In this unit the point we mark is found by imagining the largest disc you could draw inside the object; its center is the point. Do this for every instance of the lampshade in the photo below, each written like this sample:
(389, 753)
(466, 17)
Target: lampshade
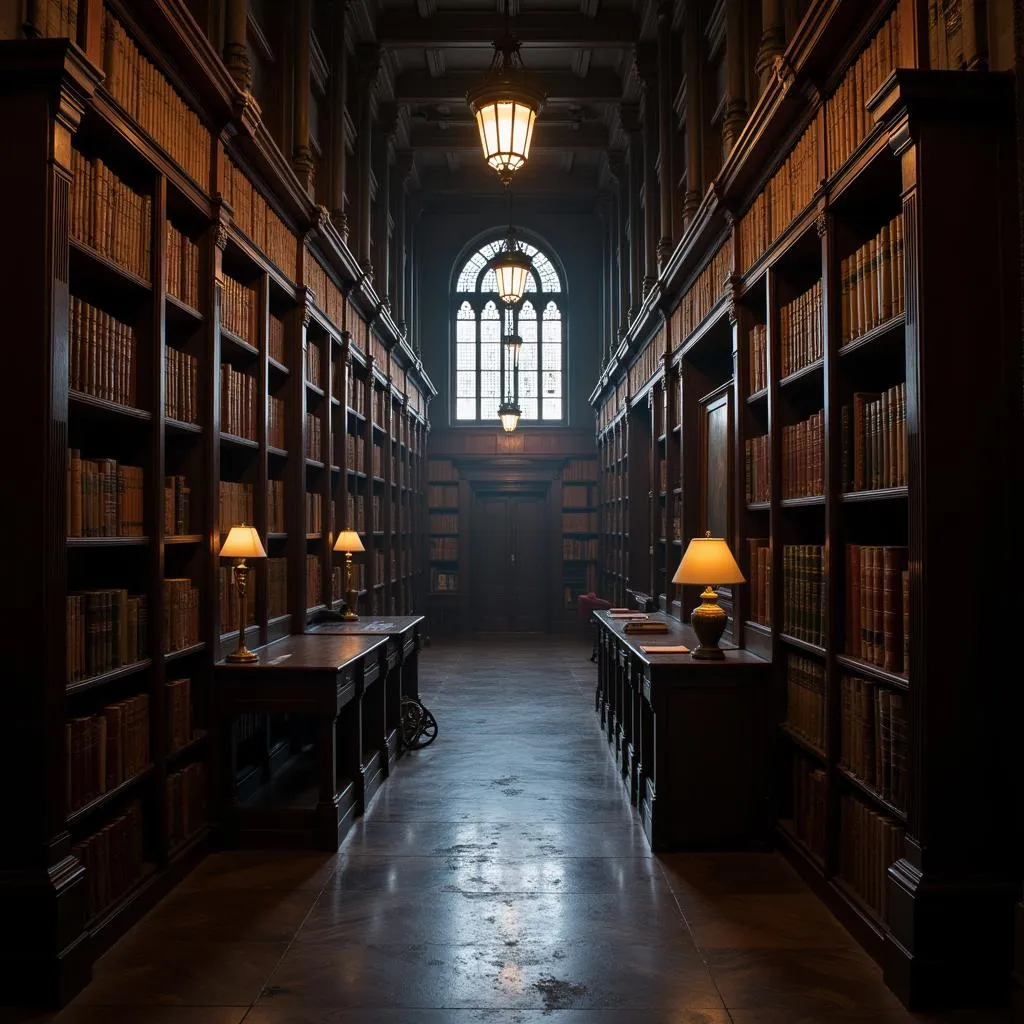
(511, 267)
(242, 542)
(509, 413)
(708, 560)
(348, 540)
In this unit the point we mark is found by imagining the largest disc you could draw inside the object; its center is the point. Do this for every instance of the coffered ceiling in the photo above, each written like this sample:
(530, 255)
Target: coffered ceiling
(580, 51)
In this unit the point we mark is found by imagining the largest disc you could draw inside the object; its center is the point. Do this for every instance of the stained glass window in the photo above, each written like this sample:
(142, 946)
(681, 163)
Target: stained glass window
(483, 376)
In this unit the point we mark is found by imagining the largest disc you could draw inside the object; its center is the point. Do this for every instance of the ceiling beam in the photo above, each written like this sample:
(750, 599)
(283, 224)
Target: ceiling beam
(558, 86)
(614, 28)
(466, 137)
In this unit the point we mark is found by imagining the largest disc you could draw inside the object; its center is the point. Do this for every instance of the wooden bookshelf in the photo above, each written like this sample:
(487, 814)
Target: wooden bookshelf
(445, 536)
(177, 320)
(852, 370)
(580, 533)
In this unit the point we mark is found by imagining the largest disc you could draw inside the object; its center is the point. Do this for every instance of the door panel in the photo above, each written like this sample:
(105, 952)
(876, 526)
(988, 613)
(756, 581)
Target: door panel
(510, 564)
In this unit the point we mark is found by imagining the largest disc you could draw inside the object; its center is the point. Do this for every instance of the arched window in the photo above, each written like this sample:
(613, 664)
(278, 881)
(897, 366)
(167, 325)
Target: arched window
(480, 323)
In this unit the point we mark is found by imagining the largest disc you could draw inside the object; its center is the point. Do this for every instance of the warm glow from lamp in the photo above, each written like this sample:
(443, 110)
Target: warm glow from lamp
(509, 413)
(505, 115)
(511, 269)
(348, 543)
(242, 542)
(708, 561)
(348, 540)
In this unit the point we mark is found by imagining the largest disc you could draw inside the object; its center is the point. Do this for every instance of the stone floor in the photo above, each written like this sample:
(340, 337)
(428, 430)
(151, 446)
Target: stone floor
(500, 876)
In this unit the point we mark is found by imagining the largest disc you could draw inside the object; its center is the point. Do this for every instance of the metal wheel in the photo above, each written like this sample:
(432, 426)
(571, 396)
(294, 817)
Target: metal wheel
(413, 713)
(428, 731)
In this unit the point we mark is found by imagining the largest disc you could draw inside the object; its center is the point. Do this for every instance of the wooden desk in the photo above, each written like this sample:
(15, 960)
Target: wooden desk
(690, 737)
(317, 792)
(399, 664)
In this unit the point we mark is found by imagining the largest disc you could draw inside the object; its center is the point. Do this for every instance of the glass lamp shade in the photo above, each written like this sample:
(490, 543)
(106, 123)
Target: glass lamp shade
(348, 540)
(505, 110)
(708, 561)
(242, 542)
(509, 413)
(511, 269)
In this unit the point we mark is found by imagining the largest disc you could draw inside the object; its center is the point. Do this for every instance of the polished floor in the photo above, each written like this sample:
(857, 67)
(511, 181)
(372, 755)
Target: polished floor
(500, 876)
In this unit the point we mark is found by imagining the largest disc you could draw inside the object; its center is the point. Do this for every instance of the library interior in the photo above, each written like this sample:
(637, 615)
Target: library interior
(501, 518)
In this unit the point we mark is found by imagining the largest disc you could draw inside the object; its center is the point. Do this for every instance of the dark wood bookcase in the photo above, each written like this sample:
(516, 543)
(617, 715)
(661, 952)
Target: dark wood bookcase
(865, 340)
(197, 350)
(580, 533)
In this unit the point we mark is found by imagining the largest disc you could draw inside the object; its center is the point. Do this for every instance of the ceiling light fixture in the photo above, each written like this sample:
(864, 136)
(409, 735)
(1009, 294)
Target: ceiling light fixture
(505, 104)
(511, 264)
(509, 410)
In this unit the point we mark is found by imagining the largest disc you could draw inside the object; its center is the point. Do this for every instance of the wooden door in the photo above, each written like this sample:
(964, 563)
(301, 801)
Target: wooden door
(510, 562)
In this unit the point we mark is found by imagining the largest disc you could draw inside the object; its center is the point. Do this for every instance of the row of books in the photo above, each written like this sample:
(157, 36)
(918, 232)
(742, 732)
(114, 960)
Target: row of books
(337, 583)
(179, 714)
(584, 470)
(184, 803)
(782, 199)
(758, 469)
(378, 461)
(355, 449)
(874, 737)
(106, 749)
(275, 339)
(356, 513)
(443, 549)
(356, 394)
(314, 437)
(760, 572)
(869, 842)
(847, 121)
(705, 291)
(805, 698)
(801, 331)
(276, 516)
(112, 858)
(810, 805)
(443, 582)
(577, 549)
(871, 281)
(149, 99)
(181, 389)
(238, 405)
(803, 457)
(227, 597)
(803, 593)
(758, 356)
(277, 587)
(236, 504)
(56, 19)
(182, 267)
(314, 513)
(579, 522)
(443, 522)
(874, 440)
(443, 496)
(577, 495)
(106, 629)
(103, 359)
(276, 423)
(181, 614)
(177, 506)
(877, 605)
(111, 217)
(105, 499)
(314, 581)
(253, 216)
(314, 364)
(238, 310)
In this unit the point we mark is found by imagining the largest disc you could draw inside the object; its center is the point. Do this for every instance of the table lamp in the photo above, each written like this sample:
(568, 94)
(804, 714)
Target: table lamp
(348, 542)
(708, 558)
(242, 542)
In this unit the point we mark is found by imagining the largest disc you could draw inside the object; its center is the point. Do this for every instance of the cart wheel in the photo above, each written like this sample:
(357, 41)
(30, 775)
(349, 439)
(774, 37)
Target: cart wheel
(412, 721)
(428, 731)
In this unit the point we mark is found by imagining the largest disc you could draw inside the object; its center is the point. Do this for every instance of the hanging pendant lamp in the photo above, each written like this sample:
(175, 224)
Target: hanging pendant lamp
(505, 104)
(511, 264)
(509, 410)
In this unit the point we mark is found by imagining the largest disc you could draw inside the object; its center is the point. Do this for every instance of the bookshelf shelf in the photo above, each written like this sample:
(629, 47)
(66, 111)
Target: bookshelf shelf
(758, 506)
(107, 542)
(185, 652)
(803, 645)
(801, 741)
(234, 441)
(181, 427)
(95, 273)
(279, 368)
(314, 390)
(810, 501)
(185, 538)
(873, 795)
(885, 335)
(100, 407)
(277, 453)
(198, 739)
(806, 376)
(83, 685)
(181, 314)
(81, 814)
(863, 668)
(880, 494)
(234, 345)
(758, 397)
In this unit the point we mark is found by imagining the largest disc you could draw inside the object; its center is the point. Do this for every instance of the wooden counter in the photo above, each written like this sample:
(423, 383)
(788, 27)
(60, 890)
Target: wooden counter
(689, 737)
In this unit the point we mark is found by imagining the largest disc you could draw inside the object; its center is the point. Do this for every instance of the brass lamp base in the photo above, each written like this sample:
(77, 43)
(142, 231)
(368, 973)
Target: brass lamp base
(243, 656)
(349, 615)
(708, 621)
